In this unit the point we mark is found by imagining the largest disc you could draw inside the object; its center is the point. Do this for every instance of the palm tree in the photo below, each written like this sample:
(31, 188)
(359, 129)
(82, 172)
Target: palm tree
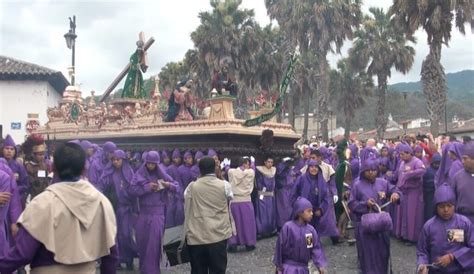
(226, 33)
(436, 18)
(380, 45)
(352, 89)
(319, 26)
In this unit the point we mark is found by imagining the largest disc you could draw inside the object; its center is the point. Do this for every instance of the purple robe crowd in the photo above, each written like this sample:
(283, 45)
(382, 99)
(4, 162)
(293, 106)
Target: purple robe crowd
(147, 192)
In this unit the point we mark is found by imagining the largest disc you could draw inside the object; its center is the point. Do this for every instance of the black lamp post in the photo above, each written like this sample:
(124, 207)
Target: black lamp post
(71, 44)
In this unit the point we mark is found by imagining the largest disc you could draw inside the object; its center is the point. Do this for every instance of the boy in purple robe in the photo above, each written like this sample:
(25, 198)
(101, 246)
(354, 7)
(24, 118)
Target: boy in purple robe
(298, 242)
(165, 158)
(116, 178)
(285, 181)
(442, 176)
(446, 243)
(429, 186)
(152, 185)
(265, 213)
(373, 249)
(312, 186)
(410, 182)
(195, 169)
(175, 208)
(463, 183)
(87, 224)
(184, 171)
(354, 161)
(242, 181)
(100, 162)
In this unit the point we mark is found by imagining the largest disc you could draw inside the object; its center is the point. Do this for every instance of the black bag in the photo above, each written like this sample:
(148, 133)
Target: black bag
(176, 253)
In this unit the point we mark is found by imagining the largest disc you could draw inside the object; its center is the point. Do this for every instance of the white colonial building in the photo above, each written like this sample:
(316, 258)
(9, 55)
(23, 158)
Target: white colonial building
(26, 92)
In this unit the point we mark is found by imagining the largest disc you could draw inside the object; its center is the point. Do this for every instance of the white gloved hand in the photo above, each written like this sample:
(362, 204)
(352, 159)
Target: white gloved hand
(226, 162)
(286, 159)
(336, 198)
(252, 159)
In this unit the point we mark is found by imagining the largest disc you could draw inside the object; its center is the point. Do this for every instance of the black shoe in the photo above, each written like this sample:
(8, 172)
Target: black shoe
(249, 247)
(335, 240)
(232, 249)
(130, 266)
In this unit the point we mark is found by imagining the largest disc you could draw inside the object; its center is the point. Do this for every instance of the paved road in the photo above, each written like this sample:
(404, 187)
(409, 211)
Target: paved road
(342, 259)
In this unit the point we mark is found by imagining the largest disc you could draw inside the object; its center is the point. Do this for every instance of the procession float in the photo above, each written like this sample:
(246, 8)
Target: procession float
(136, 122)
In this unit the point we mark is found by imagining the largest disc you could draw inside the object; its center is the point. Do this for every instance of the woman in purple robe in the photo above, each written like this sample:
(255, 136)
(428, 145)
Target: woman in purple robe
(446, 242)
(285, 180)
(116, 178)
(195, 168)
(463, 183)
(312, 186)
(354, 162)
(455, 153)
(152, 185)
(265, 213)
(175, 209)
(442, 176)
(242, 181)
(99, 163)
(429, 187)
(298, 242)
(373, 249)
(410, 182)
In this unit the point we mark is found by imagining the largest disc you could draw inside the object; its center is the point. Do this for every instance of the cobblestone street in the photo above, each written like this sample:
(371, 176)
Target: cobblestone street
(342, 259)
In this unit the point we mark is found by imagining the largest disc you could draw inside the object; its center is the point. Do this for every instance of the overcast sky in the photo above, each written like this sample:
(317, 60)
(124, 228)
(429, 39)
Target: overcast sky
(108, 29)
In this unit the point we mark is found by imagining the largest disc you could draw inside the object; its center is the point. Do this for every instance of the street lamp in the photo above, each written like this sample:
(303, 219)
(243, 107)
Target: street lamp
(71, 44)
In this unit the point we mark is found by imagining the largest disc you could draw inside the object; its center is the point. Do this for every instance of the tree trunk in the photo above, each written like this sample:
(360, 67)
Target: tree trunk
(323, 95)
(380, 119)
(306, 100)
(434, 85)
(347, 127)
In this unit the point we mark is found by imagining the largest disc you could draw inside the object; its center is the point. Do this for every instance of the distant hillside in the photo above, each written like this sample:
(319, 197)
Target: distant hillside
(460, 86)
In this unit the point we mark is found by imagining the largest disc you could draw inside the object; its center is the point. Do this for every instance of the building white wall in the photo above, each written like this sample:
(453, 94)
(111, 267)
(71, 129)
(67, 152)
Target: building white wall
(18, 98)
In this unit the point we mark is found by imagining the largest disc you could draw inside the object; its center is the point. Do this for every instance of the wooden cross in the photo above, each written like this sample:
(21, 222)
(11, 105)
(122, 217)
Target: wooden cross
(142, 46)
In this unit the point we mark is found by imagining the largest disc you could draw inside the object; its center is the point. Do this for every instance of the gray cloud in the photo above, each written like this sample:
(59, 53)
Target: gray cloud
(107, 31)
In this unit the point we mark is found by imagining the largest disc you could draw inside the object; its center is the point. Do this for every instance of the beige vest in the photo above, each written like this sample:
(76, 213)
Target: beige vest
(207, 217)
(242, 182)
(72, 220)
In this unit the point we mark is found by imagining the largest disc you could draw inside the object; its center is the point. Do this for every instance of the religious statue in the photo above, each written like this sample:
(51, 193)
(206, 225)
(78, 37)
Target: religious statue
(222, 82)
(134, 86)
(179, 104)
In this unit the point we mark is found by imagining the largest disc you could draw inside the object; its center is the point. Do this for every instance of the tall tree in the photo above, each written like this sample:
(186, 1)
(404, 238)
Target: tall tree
(226, 33)
(319, 27)
(352, 88)
(436, 18)
(380, 45)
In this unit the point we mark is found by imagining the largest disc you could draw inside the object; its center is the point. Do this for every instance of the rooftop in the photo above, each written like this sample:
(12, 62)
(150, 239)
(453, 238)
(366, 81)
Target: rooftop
(12, 69)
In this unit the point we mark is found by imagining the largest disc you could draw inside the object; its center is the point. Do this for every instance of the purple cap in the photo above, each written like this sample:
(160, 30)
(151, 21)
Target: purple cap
(144, 154)
(418, 148)
(120, 154)
(152, 157)
(176, 153)
(8, 142)
(405, 148)
(444, 194)
(109, 147)
(86, 145)
(187, 154)
(211, 153)
(436, 158)
(469, 149)
(369, 164)
(300, 205)
(165, 154)
(312, 163)
(198, 156)
(384, 161)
